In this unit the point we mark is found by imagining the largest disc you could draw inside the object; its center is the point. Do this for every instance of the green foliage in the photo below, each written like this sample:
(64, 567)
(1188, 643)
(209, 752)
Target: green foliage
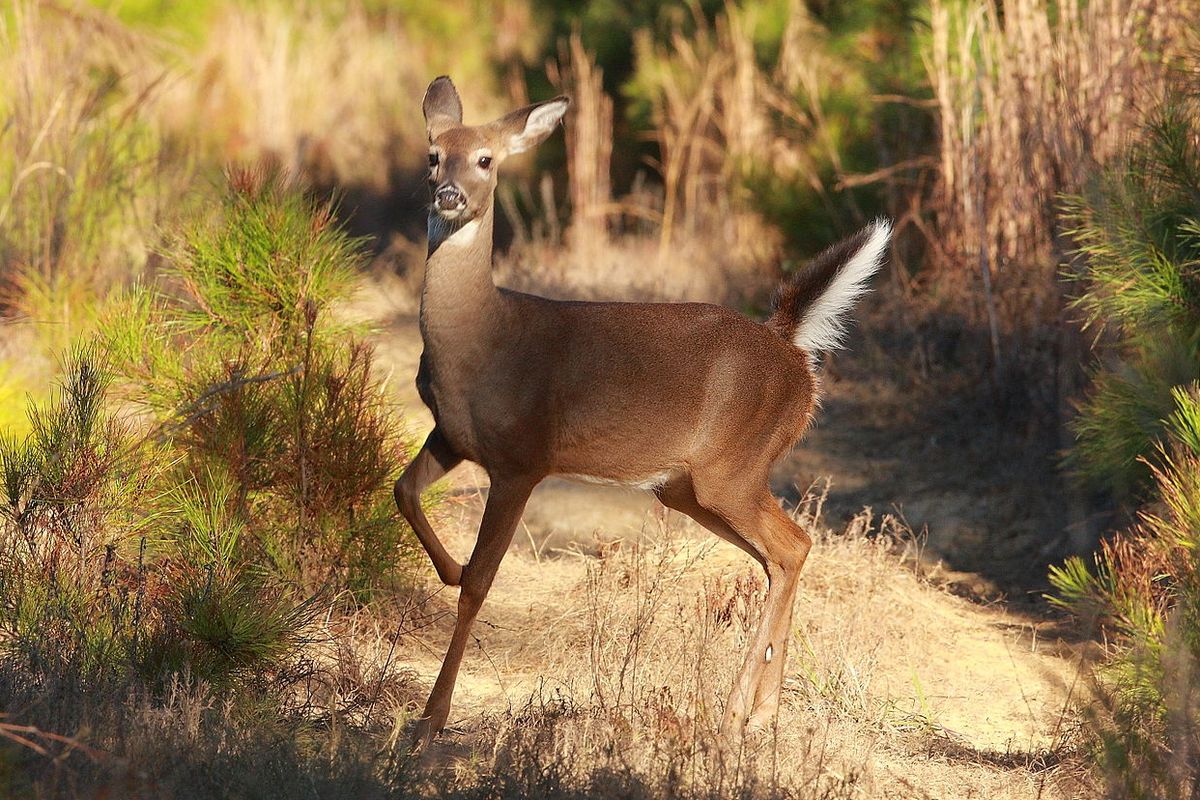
(1184, 421)
(95, 568)
(868, 51)
(258, 272)
(1122, 420)
(228, 626)
(1138, 231)
(822, 70)
(1139, 429)
(1145, 592)
(237, 354)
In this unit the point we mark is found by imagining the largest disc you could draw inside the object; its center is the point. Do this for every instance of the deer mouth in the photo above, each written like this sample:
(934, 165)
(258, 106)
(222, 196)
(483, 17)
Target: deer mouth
(450, 202)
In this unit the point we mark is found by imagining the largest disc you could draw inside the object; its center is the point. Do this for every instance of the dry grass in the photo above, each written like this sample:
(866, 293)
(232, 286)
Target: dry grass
(87, 177)
(1032, 97)
(88, 180)
(333, 93)
(602, 667)
(617, 660)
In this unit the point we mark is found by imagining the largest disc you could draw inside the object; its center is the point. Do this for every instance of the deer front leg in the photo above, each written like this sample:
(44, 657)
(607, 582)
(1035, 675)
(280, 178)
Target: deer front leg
(505, 503)
(429, 465)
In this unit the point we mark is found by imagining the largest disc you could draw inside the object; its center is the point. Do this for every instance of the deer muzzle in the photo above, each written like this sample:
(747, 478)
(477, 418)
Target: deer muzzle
(449, 198)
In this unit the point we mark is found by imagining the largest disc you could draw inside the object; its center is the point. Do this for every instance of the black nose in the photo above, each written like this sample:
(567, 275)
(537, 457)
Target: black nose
(449, 197)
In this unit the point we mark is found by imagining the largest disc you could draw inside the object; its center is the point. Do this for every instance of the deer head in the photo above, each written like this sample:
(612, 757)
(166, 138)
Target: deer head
(463, 159)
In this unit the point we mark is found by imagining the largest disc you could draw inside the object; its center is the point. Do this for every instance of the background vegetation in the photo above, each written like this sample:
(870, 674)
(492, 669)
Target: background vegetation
(195, 524)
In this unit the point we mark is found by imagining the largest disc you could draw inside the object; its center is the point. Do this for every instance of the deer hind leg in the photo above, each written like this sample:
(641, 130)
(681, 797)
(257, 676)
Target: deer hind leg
(680, 495)
(505, 503)
(429, 465)
(760, 522)
(761, 528)
(790, 537)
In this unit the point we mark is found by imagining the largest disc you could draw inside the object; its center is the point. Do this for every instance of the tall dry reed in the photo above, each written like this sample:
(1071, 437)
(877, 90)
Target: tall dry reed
(1032, 97)
(734, 126)
(710, 113)
(589, 145)
(85, 175)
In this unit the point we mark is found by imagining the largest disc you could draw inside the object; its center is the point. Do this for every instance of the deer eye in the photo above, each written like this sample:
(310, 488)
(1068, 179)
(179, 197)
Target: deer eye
(485, 162)
(433, 159)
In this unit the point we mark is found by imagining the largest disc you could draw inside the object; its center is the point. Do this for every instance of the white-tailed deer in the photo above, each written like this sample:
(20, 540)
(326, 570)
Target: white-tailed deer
(691, 401)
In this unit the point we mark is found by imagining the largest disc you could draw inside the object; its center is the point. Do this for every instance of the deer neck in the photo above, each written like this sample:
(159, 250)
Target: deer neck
(459, 295)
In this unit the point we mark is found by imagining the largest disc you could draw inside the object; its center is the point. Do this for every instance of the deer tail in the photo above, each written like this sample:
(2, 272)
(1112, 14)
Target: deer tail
(811, 304)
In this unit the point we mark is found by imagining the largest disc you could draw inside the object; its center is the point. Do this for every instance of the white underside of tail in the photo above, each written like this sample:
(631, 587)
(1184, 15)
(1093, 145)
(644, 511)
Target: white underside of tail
(823, 326)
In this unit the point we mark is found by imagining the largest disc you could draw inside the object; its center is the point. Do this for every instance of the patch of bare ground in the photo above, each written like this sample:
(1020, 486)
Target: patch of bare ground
(618, 653)
(979, 479)
(614, 630)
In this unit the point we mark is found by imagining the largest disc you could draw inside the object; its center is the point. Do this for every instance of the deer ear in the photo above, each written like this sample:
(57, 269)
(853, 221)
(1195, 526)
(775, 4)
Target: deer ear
(442, 107)
(528, 127)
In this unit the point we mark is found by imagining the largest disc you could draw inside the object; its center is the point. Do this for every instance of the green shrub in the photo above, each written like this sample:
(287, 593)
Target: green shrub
(1144, 591)
(238, 357)
(248, 480)
(1139, 431)
(1139, 235)
(64, 526)
(104, 559)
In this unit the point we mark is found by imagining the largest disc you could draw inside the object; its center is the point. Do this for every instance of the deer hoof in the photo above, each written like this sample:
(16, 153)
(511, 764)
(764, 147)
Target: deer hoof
(422, 736)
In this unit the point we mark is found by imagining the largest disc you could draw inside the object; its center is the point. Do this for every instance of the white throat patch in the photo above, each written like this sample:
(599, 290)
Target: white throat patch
(443, 232)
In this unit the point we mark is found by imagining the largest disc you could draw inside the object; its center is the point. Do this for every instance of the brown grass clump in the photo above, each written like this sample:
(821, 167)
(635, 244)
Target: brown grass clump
(1032, 97)
(333, 91)
(711, 111)
(719, 119)
(693, 237)
(85, 175)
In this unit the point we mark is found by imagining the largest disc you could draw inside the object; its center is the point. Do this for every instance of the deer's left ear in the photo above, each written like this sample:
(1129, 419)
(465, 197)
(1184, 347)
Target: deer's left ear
(443, 110)
(528, 127)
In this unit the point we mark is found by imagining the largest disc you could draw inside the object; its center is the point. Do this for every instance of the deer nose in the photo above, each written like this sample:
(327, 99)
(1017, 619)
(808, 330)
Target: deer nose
(449, 197)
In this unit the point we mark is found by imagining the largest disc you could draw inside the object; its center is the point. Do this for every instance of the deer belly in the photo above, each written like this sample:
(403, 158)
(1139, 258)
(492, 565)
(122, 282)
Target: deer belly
(648, 482)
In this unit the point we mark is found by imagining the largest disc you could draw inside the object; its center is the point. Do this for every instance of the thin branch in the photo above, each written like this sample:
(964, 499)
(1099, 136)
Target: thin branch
(202, 405)
(854, 181)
